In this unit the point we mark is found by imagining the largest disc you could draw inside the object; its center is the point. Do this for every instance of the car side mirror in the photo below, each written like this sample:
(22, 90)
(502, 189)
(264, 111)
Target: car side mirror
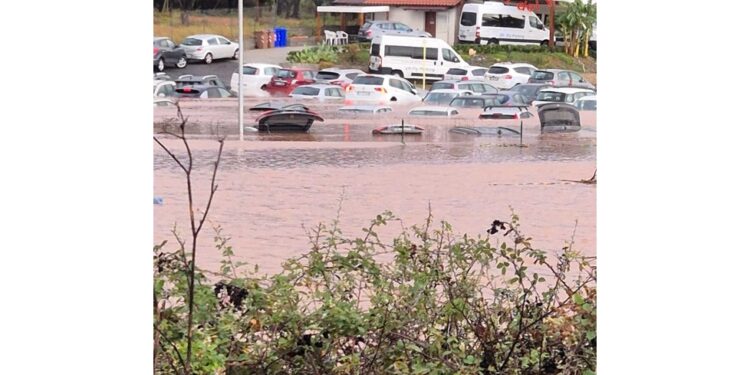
(455, 59)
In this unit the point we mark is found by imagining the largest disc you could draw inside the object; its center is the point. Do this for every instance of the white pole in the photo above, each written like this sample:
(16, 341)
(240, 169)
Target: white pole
(240, 5)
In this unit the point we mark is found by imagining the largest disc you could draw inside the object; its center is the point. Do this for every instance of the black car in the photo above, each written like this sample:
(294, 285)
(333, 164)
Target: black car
(167, 53)
(203, 92)
(191, 80)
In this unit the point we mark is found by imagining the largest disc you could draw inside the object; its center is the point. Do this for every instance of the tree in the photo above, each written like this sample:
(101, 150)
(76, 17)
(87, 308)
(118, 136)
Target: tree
(589, 21)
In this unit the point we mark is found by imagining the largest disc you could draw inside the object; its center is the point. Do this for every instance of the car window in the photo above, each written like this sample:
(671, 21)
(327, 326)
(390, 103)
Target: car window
(464, 86)
(523, 70)
(224, 41)
(385, 26)
(575, 77)
(213, 42)
(323, 75)
(489, 89)
(478, 87)
(479, 72)
(307, 75)
(570, 98)
(442, 85)
(503, 20)
(192, 42)
(366, 25)
(249, 70)
(162, 90)
(456, 71)
(286, 73)
(564, 76)
(306, 90)
(468, 19)
(334, 92)
(352, 75)
(397, 84)
(170, 44)
(448, 55)
(270, 71)
(550, 96)
(498, 70)
(368, 80)
(543, 76)
(401, 27)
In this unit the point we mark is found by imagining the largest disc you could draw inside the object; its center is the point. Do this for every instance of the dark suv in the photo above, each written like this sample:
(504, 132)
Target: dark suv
(168, 53)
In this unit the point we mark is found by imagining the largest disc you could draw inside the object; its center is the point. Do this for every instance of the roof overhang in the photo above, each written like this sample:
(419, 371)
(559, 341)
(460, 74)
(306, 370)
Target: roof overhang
(353, 9)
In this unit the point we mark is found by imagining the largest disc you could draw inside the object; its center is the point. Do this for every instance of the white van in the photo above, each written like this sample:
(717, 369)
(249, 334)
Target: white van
(496, 23)
(413, 57)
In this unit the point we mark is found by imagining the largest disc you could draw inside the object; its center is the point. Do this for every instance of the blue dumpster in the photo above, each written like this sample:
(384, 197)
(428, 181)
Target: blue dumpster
(280, 37)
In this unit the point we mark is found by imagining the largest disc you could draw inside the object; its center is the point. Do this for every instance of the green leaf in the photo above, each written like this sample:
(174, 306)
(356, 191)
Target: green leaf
(470, 360)
(590, 335)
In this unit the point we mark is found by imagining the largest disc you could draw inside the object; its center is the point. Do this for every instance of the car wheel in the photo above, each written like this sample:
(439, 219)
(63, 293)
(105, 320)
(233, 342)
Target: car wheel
(160, 65)
(494, 41)
(544, 43)
(398, 73)
(236, 54)
(181, 63)
(393, 99)
(209, 58)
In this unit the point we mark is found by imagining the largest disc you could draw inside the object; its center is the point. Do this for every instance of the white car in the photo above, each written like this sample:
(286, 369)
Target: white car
(254, 77)
(318, 91)
(443, 96)
(368, 109)
(467, 73)
(507, 75)
(586, 103)
(433, 111)
(381, 89)
(476, 87)
(208, 47)
(560, 95)
(337, 76)
(164, 88)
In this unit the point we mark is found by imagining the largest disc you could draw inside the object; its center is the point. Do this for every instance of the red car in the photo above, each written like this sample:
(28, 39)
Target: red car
(287, 80)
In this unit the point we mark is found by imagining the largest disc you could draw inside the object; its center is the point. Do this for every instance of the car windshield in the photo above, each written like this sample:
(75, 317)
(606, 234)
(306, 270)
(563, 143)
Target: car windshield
(543, 76)
(440, 98)
(368, 80)
(286, 73)
(442, 85)
(192, 42)
(456, 71)
(551, 96)
(306, 90)
(467, 102)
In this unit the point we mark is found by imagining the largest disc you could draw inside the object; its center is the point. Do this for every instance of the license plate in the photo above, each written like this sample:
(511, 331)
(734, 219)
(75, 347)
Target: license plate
(363, 93)
(278, 83)
(493, 78)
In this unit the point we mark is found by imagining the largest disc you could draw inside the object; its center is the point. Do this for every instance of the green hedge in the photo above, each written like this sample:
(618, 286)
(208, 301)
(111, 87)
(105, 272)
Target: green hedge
(490, 49)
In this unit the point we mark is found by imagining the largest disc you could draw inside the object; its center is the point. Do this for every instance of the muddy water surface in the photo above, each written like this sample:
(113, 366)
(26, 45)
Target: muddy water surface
(273, 187)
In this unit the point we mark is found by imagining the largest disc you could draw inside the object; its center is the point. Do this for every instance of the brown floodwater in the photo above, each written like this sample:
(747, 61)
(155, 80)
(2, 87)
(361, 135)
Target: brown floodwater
(275, 187)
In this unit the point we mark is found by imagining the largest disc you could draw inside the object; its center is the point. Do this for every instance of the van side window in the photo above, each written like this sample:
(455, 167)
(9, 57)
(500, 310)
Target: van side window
(413, 52)
(448, 55)
(375, 50)
(468, 19)
(503, 20)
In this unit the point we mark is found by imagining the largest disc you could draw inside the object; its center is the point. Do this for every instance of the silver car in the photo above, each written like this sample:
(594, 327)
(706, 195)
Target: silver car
(371, 29)
(208, 47)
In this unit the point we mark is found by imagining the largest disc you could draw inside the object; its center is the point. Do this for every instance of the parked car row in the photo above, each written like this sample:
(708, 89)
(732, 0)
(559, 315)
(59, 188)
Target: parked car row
(201, 47)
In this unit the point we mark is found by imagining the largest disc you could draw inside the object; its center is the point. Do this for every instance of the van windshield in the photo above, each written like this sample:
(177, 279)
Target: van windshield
(468, 19)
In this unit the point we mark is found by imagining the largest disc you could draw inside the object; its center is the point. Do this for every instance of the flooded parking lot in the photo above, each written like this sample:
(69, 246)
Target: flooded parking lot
(272, 187)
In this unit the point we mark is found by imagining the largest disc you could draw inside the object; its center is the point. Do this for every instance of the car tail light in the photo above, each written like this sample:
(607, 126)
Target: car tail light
(552, 83)
(516, 116)
(156, 50)
(199, 49)
(381, 89)
(508, 76)
(187, 89)
(368, 33)
(349, 88)
(464, 78)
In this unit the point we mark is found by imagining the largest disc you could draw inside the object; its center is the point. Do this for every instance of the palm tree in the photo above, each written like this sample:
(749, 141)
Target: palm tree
(590, 21)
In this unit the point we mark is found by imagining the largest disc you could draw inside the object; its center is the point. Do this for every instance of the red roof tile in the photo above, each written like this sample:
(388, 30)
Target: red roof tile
(423, 3)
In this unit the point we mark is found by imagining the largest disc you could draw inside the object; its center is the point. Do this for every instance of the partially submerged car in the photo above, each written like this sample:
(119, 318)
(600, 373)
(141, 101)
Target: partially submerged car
(366, 109)
(560, 78)
(337, 76)
(484, 101)
(164, 88)
(444, 96)
(271, 106)
(287, 120)
(559, 117)
(382, 89)
(465, 74)
(286, 80)
(203, 92)
(396, 129)
(320, 92)
(529, 90)
(191, 80)
(477, 87)
(560, 95)
(506, 113)
(586, 103)
(507, 75)
(433, 111)
(255, 77)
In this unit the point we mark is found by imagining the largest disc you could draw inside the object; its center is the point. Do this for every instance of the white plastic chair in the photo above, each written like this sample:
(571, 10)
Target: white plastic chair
(330, 37)
(342, 37)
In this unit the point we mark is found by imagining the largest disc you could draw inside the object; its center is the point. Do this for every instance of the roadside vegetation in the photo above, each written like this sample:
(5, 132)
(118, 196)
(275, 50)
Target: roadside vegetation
(541, 57)
(427, 301)
(576, 22)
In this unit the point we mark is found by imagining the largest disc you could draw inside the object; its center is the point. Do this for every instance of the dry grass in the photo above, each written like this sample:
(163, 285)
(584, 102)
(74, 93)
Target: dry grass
(171, 27)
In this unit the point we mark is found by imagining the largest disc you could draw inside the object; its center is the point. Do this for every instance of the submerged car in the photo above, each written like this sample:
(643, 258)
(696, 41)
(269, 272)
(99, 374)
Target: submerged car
(433, 111)
(560, 78)
(191, 80)
(203, 92)
(287, 120)
(286, 80)
(465, 74)
(444, 96)
(208, 47)
(507, 75)
(337, 76)
(255, 76)
(477, 87)
(529, 90)
(319, 92)
(559, 117)
(586, 103)
(382, 89)
(560, 95)
(368, 109)
(484, 101)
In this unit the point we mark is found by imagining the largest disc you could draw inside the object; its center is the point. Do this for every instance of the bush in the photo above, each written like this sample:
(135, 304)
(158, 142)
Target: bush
(491, 49)
(440, 304)
(314, 55)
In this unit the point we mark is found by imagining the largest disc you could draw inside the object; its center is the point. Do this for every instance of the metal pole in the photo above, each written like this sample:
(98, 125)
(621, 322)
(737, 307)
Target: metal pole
(424, 61)
(241, 91)
(402, 132)
(521, 132)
